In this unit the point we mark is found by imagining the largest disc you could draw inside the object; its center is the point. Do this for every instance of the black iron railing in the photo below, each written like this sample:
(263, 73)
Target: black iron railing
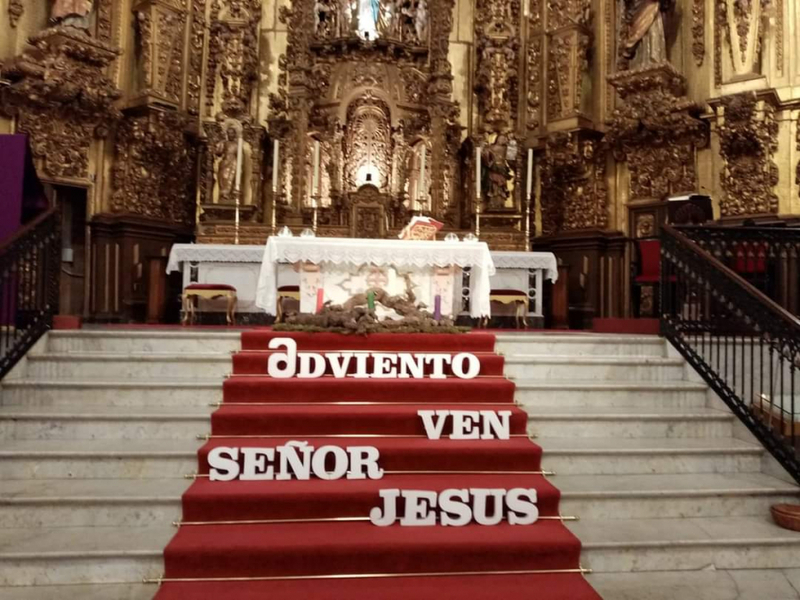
(745, 345)
(29, 286)
(766, 257)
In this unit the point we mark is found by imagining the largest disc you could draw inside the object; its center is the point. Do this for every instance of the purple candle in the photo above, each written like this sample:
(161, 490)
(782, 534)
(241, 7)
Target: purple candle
(437, 307)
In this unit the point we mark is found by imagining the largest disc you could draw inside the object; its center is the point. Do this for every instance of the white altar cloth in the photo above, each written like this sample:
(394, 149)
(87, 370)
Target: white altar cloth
(532, 261)
(397, 253)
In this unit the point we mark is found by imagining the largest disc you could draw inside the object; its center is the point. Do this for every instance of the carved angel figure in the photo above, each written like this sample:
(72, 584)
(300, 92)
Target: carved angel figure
(646, 43)
(73, 13)
(421, 21)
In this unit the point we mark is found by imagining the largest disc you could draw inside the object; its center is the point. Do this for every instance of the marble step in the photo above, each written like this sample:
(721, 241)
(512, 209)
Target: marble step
(601, 394)
(80, 422)
(175, 341)
(594, 368)
(614, 456)
(97, 459)
(622, 422)
(620, 545)
(90, 502)
(580, 344)
(672, 496)
(136, 366)
(80, 555)
(705, 584)
(90, 393)
(97, 591)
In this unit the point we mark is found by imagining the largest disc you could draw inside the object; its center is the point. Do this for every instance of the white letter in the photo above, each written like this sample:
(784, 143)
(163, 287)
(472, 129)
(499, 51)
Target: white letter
(438, 361)
(288, 359)
(474, 366)
(497, 421)
(384, 366)
(521, 512)
(364, 463)
(480, 504)
(339, 362)
(413, 364)
(418, 508)
(361, 366)
(453, 512)
(223, 464)
(291, 463)
(255, 465)
(306, 370)
(389, 509)
(464, 424)
(339, 462)
(433, 429)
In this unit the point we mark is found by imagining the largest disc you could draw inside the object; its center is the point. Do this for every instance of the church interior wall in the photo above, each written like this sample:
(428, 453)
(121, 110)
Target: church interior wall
(550, 78)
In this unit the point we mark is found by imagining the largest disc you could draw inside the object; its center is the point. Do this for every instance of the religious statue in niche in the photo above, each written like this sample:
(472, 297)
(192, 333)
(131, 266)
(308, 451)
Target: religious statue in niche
(497, 173)
(231, 152)
(645, 43)
(72, 13)
(325, 15)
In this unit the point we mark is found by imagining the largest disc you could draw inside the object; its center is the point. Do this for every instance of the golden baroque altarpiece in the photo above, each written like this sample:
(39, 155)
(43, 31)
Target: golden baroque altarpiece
(350, 116)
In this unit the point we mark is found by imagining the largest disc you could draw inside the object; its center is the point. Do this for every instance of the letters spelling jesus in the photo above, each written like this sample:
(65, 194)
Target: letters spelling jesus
(299, 460)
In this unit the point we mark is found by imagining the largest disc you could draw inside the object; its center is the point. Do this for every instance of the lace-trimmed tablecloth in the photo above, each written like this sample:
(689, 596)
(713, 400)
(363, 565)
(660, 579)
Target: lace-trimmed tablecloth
(213, 253)
(398, 253)
(546, 261)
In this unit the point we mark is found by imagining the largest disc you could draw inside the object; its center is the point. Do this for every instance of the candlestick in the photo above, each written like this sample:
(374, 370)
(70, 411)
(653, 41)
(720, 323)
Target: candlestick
(424, 194)
(529, 183)
(237, 192)
(315, 178)
(478, 172)
(275, 166)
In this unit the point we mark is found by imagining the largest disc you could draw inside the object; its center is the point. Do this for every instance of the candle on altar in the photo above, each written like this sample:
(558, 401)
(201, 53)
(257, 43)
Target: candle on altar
(424, 193)
(315, 178)
(275, 150)
(478, 172)
(371, 300)
(239, 165)
(529, 183)
(320, 299)
(437, 307)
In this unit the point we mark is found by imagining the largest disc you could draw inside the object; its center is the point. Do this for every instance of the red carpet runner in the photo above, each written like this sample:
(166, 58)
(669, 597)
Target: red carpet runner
(258, 540)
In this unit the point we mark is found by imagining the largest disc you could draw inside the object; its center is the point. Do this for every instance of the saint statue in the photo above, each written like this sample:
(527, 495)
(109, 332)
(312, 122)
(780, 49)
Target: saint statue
(496, 172)
(72, 13)
(228, 167)
(646, 43)
(325, 19)
(421, 22)
(387, 19)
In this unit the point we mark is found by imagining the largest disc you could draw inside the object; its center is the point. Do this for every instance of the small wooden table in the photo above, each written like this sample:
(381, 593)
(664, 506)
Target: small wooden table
(208, 291)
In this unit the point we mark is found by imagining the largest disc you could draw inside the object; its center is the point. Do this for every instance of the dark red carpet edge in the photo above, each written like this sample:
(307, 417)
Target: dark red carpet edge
(305, 409)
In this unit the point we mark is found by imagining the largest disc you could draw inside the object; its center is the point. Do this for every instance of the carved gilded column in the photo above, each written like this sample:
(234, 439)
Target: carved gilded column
(160, 26)
(443, 113)
(748, 140)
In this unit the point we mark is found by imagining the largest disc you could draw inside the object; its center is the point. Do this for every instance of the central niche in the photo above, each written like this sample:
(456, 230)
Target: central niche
(367, 144)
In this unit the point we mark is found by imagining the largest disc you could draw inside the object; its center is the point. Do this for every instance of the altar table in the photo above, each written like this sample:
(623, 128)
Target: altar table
(239, 266)
(350, 253)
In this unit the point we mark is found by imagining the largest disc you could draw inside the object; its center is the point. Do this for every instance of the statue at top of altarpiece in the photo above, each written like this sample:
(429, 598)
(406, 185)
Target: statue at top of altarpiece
(646, 42)
(72, 13)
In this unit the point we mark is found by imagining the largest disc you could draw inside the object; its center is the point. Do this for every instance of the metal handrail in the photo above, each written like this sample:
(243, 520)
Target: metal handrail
(30, 264)
(745, 345)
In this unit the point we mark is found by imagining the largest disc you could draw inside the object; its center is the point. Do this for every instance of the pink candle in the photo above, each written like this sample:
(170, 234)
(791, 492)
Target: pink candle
(320, 299)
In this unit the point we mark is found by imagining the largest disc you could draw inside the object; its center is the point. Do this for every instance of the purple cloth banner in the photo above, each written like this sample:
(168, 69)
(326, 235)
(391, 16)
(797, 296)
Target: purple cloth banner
(21, 194)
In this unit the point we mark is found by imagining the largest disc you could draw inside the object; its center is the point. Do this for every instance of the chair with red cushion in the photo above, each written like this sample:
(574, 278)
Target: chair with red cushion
(648, 271)
(209, 291)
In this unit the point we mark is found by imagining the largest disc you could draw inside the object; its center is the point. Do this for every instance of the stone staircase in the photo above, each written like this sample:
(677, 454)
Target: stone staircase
(99, 427)
(672, 493)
